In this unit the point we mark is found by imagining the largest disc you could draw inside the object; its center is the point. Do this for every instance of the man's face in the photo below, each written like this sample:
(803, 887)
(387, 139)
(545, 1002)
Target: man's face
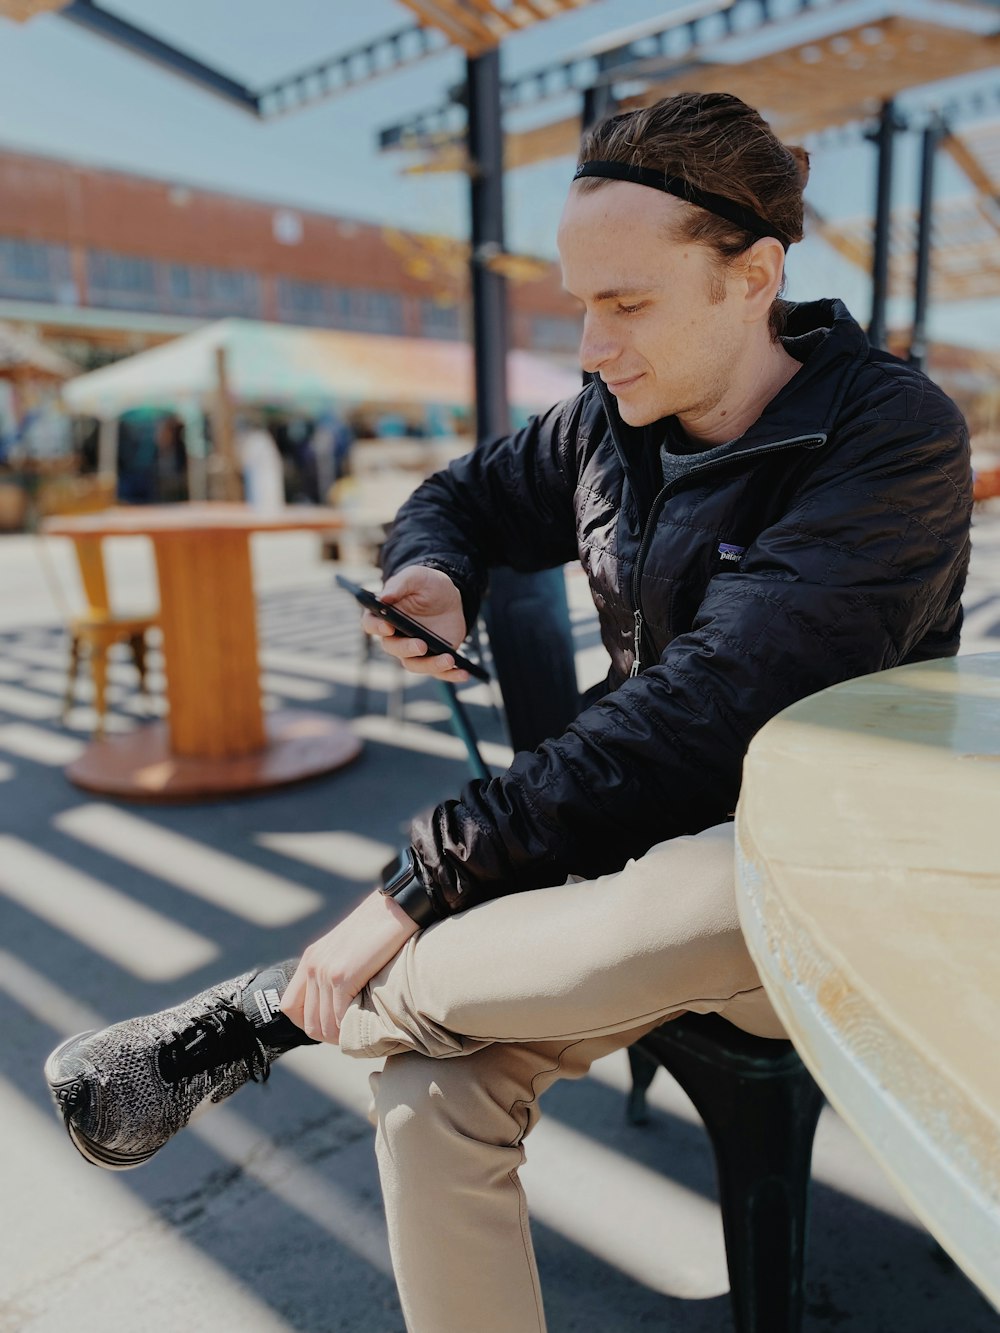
(663, 325)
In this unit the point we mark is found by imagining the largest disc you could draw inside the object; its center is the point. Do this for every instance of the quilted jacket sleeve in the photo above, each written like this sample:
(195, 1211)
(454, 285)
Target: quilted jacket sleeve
(867, 562)
(510, 502)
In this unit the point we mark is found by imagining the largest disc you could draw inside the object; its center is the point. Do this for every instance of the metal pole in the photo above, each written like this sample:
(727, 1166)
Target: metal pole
(527, 615)
(883, 139)
(598, 103)
(932, 135)
(462, 728)
(489, 288)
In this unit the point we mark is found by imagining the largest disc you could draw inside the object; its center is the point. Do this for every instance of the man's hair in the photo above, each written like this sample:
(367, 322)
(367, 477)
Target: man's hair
(719, 144)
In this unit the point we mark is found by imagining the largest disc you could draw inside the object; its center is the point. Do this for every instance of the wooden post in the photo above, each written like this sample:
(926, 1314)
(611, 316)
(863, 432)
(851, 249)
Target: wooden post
(107, 448)
(197, 449)
(224, 470)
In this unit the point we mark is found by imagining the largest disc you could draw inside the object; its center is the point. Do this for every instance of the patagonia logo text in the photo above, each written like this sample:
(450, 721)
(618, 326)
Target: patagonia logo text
(734, 554)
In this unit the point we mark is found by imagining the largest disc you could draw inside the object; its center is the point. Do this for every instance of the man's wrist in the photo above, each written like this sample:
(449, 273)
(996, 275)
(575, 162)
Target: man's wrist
(401, 881)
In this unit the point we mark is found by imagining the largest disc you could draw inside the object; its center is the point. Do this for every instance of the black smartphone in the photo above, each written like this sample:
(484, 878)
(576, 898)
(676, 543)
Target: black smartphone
(412, 629)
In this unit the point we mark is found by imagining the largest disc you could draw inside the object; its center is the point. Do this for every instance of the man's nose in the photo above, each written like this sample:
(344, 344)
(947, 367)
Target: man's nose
(597, 348)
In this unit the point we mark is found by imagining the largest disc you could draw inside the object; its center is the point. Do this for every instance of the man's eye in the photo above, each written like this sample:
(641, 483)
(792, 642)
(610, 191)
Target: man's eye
(631, 309)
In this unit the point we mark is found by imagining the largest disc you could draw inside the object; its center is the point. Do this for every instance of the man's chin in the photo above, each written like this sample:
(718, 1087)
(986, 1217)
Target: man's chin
(637, 414)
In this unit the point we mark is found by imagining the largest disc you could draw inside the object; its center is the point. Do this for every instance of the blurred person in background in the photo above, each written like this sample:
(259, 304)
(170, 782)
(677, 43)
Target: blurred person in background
(331, 443)
(261, 464)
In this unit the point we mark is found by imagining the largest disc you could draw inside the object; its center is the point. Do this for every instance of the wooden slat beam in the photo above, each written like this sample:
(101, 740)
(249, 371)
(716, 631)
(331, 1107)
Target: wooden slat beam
(960, 153)
(22, 10)
(988, 202)
(460, 25)
(810, 87)
(841, 78)
(966, 255)
(478, 25)
(850, 246)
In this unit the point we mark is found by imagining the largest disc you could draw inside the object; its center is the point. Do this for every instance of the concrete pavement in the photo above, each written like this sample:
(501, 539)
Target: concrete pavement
(265, 1215)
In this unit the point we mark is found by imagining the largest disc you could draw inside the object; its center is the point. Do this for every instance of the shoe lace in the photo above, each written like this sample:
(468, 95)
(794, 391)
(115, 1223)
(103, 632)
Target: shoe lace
(221, 1036)
(69, 1099)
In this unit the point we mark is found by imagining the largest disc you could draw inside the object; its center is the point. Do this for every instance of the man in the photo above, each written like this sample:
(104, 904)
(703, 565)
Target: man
(764, 506)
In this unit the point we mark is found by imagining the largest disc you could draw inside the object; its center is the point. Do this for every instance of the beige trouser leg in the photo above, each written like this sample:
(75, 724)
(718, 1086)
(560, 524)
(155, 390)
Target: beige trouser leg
(527, 989)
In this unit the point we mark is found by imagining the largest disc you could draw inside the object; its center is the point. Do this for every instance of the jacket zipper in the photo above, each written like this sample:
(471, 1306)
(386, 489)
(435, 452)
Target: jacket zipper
(797, 441)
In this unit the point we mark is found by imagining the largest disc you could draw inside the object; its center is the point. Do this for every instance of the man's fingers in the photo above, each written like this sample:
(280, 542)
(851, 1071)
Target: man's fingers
(412, 653)
(329, 1027)
(404, 649)
(341, 1000)
(376, 626)
(310, 1013)
(292, 1000)
(441, 668)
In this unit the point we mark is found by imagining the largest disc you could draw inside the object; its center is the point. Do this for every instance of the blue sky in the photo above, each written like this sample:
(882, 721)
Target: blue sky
(69, 94)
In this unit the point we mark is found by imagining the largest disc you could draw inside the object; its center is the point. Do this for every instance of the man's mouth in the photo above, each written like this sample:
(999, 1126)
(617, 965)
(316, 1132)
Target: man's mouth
(617, 386)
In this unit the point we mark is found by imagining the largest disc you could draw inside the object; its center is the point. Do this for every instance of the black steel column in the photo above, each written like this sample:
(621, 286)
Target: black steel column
(932, 136)
(526, 614)
(598, 103)
(883, 138)
(489, 288)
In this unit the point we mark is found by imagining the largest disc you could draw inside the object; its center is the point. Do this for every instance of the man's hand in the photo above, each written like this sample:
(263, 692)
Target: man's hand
(429, 596)
(334, 969)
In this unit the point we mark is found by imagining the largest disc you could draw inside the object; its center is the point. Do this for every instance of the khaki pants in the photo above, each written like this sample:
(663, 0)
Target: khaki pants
(526, 990)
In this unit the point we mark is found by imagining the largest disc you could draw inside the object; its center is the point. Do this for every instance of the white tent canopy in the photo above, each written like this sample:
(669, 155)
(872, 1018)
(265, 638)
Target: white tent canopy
(277, 363)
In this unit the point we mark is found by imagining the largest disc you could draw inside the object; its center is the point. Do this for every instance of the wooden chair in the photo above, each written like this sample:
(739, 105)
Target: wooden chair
(95, 629)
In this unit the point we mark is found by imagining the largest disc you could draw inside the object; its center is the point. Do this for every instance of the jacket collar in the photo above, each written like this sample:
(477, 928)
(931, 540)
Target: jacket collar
(832, 346)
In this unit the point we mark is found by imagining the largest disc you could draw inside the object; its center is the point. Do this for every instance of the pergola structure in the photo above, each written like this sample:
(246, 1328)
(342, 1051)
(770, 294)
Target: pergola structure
(966, 230)
(825, 67)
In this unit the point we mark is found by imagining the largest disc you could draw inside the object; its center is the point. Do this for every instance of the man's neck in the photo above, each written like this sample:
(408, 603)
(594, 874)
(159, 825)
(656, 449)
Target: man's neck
(752, 386)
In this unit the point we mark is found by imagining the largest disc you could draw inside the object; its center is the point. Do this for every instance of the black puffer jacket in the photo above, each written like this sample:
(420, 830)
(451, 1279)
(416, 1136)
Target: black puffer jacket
(848, 505)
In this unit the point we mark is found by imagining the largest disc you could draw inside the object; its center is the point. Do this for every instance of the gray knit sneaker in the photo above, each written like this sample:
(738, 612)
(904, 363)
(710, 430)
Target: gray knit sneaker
(124, 1091)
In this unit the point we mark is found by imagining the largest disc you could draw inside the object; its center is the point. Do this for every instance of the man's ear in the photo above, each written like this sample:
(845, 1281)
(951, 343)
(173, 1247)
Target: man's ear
(763, 269)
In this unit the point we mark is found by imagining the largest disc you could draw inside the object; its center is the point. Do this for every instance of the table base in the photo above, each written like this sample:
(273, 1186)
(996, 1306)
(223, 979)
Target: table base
(140, 766)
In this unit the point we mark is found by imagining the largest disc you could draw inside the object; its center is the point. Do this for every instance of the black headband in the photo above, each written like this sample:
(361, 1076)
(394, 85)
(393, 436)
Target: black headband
(718, 204)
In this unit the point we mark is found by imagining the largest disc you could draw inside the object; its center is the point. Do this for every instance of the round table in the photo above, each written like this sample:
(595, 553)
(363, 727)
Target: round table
(216, 740)
(868, 861)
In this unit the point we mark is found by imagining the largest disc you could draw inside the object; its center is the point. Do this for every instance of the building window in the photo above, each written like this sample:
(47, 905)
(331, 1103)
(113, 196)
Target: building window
(305, 302)
(180, 289)
(232, 291)
(208, 293)
(123, 282)
(441, 321)
(377, 312)
(356, 308)
(340, 307)
(33, 271)
(551, 333)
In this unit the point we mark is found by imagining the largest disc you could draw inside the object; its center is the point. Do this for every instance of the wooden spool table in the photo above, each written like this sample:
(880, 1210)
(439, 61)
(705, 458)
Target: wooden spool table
(217, 740)
(868, 858)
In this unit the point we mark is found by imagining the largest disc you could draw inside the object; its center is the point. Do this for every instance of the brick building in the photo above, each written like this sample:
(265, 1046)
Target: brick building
(104, 263)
